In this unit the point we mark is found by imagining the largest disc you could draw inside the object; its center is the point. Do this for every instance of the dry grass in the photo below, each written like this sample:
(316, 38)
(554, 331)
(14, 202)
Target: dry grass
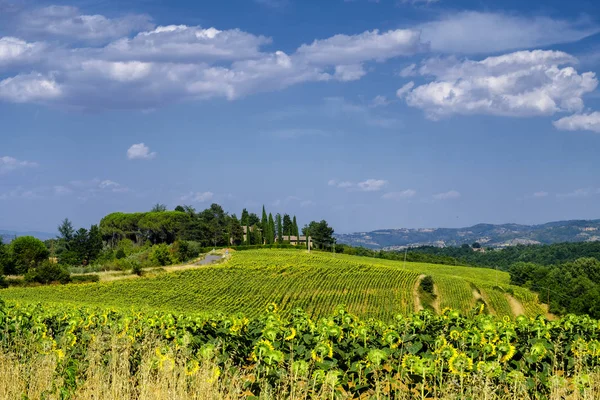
(107, 373)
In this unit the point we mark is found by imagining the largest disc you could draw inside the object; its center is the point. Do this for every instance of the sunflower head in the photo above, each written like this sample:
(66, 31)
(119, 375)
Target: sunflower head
(261, 349)
(322, 350)
(377, 356)
(300, 368)
(460, 364)
(506, 351)
(490, 369)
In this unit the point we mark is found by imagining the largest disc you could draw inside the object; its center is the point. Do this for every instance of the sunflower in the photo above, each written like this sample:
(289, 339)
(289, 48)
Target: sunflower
(491, 369)
(447, 351)
(272, 308)
(538, 351)
(392, 338)
(290, 334)
(488, 349)
(261, 349)
(579, 347)
(454, 334)
(412, 362)
(321, 351)
(192, 368)
(460, 363)
(377, 356)
(300, 368)
(594, 348)
(506, 350)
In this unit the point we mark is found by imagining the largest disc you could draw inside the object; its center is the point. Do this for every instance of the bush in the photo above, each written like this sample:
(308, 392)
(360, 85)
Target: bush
(136, 268)
(120, 254)
(161, 255)
(48, 272)
(85, 278)
(427, 284)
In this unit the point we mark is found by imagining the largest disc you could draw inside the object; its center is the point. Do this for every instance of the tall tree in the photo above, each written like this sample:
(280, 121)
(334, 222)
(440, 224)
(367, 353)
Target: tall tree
(80, 246)
(27, 252)
(158, 207)
(245, 216)
(279, 228)
(271, 229)
(287, 225)
(296, 232)
(180, 209)
(264, 225)
(236, 232)
(320, 232)
(94, 247)
(253, 219)
(66, 231)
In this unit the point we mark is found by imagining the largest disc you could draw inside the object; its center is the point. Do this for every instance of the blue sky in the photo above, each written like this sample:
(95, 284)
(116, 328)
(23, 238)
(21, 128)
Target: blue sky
(370, 114)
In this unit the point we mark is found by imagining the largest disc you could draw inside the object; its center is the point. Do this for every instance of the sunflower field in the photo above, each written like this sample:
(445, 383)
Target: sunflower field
(63, 352)
(316, 282)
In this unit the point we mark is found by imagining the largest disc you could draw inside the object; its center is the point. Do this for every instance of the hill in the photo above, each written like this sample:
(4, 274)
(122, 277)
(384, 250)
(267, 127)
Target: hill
(488, 235)
(7, 235)
(316, 281)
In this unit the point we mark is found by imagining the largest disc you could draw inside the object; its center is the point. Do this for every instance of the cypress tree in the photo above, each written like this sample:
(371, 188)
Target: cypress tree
(245, 217)
(295, 231)
(271, 229)
(279, 229)
(264, 224)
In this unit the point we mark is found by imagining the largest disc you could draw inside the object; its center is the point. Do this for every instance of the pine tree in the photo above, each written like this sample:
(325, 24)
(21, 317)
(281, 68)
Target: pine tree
(287, 225)
(264, 224)
(279, 229)
(295, 230)
(245, 216)
(271, 229)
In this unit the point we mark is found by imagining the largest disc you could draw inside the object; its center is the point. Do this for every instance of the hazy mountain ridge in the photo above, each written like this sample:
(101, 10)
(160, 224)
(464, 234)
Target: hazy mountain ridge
(488, 235)
(7, 235)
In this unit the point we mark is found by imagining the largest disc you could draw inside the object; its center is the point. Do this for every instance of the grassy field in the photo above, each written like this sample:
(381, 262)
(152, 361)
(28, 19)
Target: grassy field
(316, 282)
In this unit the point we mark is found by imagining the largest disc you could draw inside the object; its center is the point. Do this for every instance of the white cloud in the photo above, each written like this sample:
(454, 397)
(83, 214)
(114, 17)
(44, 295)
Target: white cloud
(340, 107)
(380, 101)
(355, 49)
(369, 185)
(188, 44)
(580, 122)
(526, 83)
(29, 88)
(404, 194)
(140, 151)
(540, 194)
(61, 190)
(167, 64)
(584, 192)
(14, 51)
(9, 164)
(484, 32)
(352, 72)
(404, 90)
(69, 23)
(198, 197)
(450, 195)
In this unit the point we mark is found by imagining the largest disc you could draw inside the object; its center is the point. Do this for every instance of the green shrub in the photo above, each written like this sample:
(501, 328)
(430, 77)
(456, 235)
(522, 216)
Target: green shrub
(48, 272)
(427, 284)
(161, 255)
(15, 282)
(120, 254)
(136, 268)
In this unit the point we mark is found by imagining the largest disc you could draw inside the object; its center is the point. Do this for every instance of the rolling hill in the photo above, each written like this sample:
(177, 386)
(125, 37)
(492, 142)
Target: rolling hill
(317, 282)
(488, 235)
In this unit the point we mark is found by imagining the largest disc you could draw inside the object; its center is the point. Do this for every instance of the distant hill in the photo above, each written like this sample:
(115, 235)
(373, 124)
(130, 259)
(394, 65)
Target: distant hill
(487, 235)
(8, 236)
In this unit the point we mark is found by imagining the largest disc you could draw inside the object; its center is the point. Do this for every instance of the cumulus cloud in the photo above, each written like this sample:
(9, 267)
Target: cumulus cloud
(404, 194)
(369, 185)
(583, 192)
(540, 194)
(160, 65)
(68, 23)
(404, 90)
(14, 51)
(198, 197)
(580, 122)
(140, 151)
(525, 83)
(450, 195)
(9, 164)
(485, 32)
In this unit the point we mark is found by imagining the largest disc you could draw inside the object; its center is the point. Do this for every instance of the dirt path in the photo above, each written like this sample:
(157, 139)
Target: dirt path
(516, 307)
(436, 301)
(547, 312)
(416, 297)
